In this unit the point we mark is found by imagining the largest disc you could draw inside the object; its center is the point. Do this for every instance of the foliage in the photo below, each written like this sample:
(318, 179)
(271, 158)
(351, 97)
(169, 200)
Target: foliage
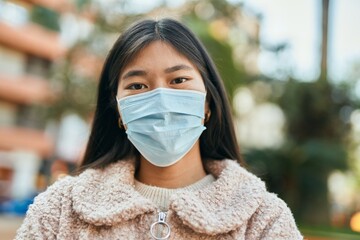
(298, 173)
(316, 144)
(77, 93)
(222, 54)
(45, 17)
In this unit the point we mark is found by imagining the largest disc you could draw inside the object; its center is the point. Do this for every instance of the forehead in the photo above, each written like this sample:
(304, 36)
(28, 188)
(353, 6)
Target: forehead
(158, 53)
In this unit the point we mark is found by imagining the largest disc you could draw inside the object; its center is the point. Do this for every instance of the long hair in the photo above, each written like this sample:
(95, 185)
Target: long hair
(108, 142)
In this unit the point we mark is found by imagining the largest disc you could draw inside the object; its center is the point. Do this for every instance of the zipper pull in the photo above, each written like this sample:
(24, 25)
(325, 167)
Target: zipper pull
(162, 224)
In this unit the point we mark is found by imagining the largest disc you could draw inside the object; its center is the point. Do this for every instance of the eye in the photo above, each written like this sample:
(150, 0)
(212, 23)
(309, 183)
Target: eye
(136, 86)
(179, 80)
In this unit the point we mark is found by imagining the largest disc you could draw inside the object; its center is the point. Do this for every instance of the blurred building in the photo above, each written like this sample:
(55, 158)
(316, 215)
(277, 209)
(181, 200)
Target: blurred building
(27, 51)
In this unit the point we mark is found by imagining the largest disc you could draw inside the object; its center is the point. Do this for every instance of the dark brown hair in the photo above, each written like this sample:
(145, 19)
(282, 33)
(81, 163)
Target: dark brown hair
(108, 143)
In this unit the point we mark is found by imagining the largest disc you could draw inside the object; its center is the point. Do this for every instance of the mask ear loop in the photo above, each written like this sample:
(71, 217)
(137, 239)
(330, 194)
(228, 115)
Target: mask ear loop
(120, 123)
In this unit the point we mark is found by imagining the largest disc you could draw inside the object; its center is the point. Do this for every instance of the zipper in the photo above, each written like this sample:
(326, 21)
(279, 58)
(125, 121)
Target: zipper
(158, 227)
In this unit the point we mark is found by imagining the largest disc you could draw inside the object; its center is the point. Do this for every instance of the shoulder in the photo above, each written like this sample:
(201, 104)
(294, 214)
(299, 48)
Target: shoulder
(52, 197)
(62, 184)
(42, 217)
(273, 220)
(267, 216)
(74, 197)
(272, 206)
(89, 180)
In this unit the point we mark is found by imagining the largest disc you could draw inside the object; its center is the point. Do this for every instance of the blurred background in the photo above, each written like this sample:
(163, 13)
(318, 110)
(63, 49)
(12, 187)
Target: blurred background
(291, 68)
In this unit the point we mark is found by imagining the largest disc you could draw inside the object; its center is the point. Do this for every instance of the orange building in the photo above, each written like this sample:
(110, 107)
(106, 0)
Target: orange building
(27, 51)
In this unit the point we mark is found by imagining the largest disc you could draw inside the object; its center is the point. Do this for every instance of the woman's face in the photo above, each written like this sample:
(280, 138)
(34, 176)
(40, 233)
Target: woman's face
(158, 65)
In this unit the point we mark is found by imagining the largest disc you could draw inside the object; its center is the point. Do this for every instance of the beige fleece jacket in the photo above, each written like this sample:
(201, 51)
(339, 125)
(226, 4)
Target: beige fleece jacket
(103, 204)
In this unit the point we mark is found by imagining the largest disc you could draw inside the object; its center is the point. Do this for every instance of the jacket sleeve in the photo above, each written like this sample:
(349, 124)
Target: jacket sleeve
(274, 220)
(42, 217)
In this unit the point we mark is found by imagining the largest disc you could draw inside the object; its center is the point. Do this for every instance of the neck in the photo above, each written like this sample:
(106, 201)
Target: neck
(185, 172)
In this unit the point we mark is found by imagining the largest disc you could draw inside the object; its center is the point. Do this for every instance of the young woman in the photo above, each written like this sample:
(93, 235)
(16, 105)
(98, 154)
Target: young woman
(162, 161)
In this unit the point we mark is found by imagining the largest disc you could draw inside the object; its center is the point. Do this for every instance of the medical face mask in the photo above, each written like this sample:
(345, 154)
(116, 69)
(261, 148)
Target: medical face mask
(163, 124)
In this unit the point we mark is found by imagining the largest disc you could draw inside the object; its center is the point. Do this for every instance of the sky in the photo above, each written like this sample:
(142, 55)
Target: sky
(298, 22)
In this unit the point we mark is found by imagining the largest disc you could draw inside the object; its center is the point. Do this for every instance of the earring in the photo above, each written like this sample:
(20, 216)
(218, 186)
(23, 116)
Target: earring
(207, 116)
(120, 123)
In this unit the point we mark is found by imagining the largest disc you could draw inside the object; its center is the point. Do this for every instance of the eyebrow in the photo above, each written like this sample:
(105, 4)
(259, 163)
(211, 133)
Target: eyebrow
(135, 73)
(177, 68)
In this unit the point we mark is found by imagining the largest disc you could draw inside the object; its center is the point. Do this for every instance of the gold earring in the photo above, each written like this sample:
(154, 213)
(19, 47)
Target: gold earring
(207, 116)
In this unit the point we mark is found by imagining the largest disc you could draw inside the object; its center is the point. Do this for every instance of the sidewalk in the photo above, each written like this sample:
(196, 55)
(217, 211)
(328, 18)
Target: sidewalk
(8, 226)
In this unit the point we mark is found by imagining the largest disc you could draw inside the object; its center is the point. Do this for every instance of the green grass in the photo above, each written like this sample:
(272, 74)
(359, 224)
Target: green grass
(330, 232)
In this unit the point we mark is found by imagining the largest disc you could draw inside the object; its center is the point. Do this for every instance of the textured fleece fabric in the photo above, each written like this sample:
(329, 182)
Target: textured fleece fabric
(103, 204)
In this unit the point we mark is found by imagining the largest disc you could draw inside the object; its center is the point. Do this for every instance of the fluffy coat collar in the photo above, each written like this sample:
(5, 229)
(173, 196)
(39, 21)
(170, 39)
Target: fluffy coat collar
(107, 197)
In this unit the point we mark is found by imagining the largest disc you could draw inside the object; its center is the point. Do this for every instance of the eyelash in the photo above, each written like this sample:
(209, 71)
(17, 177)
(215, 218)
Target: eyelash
(179, 78)
(132, 86)
(142, 86)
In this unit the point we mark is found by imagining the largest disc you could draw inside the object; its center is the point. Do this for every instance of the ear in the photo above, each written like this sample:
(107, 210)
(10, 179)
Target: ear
(207, 113)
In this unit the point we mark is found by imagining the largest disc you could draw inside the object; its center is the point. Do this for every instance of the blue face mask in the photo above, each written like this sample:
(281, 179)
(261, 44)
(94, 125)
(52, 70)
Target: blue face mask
(163, 124)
